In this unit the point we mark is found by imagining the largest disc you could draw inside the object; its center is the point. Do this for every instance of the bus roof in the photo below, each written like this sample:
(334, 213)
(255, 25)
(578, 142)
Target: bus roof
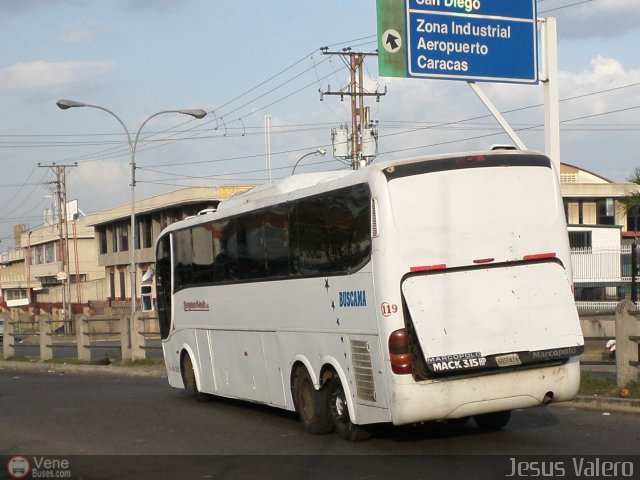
(281, 187)
(267, 193)
(306, 180)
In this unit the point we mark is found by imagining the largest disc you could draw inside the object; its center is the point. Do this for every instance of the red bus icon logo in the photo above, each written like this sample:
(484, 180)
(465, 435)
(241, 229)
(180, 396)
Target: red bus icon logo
(18, 467)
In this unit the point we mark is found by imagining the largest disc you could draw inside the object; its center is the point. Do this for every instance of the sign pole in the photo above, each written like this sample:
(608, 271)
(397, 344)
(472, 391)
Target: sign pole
(550, 86)
(498, 116)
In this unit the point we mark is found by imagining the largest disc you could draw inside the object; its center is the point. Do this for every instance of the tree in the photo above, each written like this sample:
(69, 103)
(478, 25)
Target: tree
(631, 202)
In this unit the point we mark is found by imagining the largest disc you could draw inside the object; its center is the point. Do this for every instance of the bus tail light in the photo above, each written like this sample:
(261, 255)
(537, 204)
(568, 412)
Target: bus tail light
(428, 268)
(539, 256)
(480, 261)
(399, 352)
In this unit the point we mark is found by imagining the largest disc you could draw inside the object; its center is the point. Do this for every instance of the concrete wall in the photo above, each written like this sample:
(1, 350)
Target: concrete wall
(598, 325)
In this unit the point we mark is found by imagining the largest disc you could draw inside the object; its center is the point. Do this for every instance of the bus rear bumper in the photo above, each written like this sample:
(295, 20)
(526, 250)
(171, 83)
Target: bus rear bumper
(456, 398)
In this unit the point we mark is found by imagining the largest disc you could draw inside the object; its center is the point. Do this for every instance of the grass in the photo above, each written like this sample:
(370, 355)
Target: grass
(147, 362)
(65, 361)
(600, 385)
(21, 359)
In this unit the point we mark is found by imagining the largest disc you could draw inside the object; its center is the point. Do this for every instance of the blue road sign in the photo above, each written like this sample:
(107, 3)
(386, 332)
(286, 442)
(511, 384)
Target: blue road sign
(475, 40)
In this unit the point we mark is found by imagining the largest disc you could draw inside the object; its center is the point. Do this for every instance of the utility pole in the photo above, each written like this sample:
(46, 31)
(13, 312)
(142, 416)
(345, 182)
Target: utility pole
(267, 141)
(360, 116)
(63, 229)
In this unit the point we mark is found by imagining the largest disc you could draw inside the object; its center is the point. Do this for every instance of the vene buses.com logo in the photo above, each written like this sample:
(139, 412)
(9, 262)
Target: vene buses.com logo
(195, 306)
(18, 467)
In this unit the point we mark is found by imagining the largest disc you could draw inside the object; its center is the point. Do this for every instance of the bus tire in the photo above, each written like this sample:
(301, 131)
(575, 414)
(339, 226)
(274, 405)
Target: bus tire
(492, 421)
(189, 380)
(340, 412)
(312, 405)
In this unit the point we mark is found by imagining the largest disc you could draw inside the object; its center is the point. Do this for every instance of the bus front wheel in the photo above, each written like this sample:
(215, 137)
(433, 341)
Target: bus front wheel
(189, 380)
(312, 405)
(340, 412)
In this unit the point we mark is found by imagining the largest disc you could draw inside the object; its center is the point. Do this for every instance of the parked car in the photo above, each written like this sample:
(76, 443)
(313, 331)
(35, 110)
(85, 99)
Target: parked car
(1, 329)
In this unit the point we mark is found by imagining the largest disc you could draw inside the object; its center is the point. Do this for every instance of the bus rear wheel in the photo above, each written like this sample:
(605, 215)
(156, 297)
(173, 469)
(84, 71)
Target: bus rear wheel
(340, 411)
(312, 405)
(492, 421)
(189, 380)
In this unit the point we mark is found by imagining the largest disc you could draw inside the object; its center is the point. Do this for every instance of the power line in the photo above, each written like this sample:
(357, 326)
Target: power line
(503, 133)
(199, 132)
(219, 175)
(118, 151)
(565, 6)
(518, 109)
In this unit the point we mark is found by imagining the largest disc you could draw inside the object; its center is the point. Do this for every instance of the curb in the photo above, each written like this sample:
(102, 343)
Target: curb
(152, 371)
(604, 404)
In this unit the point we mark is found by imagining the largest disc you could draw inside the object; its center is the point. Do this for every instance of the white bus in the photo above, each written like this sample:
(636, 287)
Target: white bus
(434, 288)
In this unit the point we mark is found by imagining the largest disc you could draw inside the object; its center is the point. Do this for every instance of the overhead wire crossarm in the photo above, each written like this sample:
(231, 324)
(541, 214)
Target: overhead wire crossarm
(354, 61)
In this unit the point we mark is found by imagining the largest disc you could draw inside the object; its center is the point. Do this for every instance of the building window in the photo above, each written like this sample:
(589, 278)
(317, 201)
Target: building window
(102, 240)
(122, 285)
(580, 239)
(38, 254)
(124, 238)
(112, 284)
(49, 253)
(146, 297)
(633, 219)
(606, 212)
(15, 294)
(114, 238)
(145, 237)
(50, 281)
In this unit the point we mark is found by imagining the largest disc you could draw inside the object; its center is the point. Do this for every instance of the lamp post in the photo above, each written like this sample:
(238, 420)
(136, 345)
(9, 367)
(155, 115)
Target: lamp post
(317, 151)
(196, 113)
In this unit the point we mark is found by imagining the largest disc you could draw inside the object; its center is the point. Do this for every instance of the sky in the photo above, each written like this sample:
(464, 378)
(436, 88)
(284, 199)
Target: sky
(241, 61)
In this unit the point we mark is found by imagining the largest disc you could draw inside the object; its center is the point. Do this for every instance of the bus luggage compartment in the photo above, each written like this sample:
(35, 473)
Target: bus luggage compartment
(471, 320)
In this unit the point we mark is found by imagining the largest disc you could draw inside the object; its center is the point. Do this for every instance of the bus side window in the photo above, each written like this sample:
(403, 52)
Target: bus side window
(251, 246)
(183, 254)
(359, 236)
(276, 240)
(331, 233)
(225, 250)
(163, 285)
(202, 261)
(311, 237)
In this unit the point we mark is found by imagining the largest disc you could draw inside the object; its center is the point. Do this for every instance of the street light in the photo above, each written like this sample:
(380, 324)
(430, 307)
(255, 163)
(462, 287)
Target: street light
(198, 113)
(317, 151)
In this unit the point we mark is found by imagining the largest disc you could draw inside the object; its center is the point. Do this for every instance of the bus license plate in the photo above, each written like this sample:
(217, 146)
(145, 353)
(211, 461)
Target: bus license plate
(508, 360)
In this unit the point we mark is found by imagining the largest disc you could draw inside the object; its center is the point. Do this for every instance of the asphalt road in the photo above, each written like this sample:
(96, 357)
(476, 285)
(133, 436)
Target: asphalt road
(155, 431)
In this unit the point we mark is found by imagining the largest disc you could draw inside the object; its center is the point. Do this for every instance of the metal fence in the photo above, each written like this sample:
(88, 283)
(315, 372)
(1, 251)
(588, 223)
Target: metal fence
(623, 327)
(603, 277)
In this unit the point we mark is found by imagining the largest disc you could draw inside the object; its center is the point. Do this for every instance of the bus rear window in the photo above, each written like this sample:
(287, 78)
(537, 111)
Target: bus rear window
(467, 203)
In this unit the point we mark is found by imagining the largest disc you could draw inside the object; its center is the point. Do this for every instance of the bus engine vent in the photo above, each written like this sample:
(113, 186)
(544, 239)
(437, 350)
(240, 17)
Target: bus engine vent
(363, 370)
(374, 218)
